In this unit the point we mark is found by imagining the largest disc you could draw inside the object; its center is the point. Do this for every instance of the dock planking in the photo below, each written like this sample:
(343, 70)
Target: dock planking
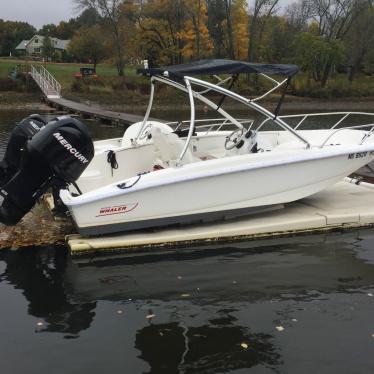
(95, 111)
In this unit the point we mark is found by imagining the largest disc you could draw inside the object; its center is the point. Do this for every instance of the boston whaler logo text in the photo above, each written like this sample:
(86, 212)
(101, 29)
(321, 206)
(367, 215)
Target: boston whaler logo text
(70, 148)
(119, 209)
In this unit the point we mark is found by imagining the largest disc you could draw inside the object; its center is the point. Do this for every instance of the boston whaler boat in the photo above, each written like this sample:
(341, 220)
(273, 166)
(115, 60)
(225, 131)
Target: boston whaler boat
(165, 173)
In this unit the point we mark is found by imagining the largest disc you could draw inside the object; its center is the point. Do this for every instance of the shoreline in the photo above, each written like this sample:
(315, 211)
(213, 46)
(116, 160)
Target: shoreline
(10, 101)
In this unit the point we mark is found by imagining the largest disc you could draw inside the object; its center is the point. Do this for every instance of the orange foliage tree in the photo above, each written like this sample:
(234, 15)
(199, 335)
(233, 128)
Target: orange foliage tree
(195, 34)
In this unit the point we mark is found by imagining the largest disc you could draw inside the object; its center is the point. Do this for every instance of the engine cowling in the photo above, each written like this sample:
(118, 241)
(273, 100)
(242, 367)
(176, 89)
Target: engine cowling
(55, 156)
(24, 131)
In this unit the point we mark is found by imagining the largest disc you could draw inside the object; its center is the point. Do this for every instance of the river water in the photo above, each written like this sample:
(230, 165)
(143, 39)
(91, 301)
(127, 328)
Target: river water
(291, 305)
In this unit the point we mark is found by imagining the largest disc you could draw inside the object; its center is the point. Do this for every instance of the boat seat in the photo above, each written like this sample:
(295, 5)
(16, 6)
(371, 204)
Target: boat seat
(168, 147)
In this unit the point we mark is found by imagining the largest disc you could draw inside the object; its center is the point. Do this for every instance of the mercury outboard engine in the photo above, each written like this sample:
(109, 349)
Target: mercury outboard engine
(23, 132)
(56, 156)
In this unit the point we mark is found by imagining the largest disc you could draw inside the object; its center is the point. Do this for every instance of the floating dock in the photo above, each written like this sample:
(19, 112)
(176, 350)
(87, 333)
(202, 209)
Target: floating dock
(93, 111)
(343, 206)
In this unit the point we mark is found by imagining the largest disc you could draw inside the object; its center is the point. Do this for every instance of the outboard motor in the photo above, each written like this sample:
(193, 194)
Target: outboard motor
(23, 132)
(56, 156)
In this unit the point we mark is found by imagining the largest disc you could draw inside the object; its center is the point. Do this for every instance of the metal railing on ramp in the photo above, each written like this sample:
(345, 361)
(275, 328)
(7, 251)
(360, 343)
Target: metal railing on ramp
(46, 81)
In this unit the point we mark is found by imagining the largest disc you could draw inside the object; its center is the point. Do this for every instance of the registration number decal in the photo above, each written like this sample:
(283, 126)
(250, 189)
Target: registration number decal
(351, 156)
(118, 209)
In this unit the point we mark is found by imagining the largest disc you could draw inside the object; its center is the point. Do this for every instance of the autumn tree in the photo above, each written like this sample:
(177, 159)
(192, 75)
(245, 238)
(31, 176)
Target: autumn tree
(160, 23)
(89, 44)
(195, 35)
(239, 21)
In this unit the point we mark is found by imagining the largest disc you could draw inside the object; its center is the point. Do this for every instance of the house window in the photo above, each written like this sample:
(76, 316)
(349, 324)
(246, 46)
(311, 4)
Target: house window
(36, 41)
(37, 50)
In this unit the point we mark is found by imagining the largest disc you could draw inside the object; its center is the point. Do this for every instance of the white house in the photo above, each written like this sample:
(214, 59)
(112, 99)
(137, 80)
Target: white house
(34, 46)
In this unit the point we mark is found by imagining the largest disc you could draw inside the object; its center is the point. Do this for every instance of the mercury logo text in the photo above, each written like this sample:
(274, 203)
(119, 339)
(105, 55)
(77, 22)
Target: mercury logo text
(70, 148)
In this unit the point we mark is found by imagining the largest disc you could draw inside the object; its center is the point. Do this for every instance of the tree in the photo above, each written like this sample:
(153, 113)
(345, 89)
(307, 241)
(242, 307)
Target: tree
(239, 20)
(48, 49)
(109, 10)
(48, 30)
(261, 12)
(312, 52)
(89, 44)
(360, 39)
(12, 33)
(197, 43)
(160, 23)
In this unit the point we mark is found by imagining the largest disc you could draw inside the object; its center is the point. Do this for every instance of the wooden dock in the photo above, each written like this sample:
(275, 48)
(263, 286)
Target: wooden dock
(93, 111)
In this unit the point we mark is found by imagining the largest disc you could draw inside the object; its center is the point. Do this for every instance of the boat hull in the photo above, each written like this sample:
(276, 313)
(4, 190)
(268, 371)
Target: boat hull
(214, 190)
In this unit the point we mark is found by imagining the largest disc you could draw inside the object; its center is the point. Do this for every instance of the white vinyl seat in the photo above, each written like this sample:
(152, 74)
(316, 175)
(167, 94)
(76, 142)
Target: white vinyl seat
(168, 147)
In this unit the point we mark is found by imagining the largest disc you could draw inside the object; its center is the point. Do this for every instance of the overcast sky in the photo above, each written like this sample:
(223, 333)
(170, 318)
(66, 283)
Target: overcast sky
(37, 12)
(41, 12)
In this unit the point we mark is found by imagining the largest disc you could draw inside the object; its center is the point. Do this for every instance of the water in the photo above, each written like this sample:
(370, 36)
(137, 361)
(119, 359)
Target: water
(209, 309)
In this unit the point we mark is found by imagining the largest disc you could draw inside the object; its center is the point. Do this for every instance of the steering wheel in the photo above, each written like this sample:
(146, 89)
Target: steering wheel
(145, 132)
(233, 139)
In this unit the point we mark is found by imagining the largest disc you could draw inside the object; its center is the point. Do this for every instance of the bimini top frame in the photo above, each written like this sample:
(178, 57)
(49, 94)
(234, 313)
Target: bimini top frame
(170, 75)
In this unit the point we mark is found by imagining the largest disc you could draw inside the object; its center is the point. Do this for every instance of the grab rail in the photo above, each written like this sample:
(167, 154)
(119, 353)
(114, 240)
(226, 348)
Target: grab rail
(367, 135)
(344, 115)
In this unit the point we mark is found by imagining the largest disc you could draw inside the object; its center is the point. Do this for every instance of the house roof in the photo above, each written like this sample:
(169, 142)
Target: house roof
(57, 43)
(22, 45)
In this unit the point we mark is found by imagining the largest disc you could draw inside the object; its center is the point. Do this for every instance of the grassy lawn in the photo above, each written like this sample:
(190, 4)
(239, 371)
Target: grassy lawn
(109, 84)
(64, 72)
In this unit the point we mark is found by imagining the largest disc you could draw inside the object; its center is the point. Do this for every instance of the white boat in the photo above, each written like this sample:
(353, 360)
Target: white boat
(165, 173)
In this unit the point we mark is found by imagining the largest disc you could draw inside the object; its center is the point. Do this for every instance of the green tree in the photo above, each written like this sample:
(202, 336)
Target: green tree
(89, 44)
(12, 33)
(48, 50)
(109, 10)
(48, 30)
(312, 53)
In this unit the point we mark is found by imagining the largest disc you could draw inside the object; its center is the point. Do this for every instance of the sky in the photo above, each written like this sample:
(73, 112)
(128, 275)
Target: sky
(38, 12)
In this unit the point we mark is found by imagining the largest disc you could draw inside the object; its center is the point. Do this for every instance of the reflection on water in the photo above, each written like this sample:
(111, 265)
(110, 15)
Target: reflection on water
(196, 310)
(40, 275)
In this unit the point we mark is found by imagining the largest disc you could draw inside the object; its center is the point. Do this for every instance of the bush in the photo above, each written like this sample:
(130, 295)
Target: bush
(8, 84)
